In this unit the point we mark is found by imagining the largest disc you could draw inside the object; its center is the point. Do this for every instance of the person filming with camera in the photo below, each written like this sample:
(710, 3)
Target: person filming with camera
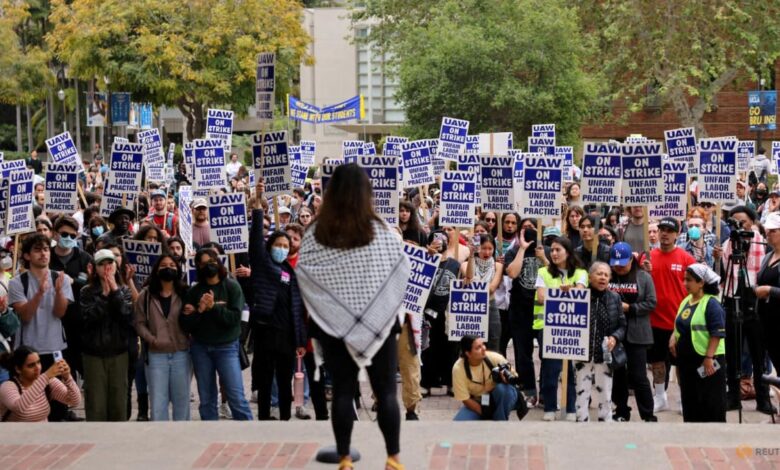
(741, 262)
(484, 381)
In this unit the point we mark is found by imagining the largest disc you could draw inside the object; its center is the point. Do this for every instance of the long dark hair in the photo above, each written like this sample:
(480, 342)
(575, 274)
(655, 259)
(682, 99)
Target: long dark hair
(11, 360)
(572, 260)
(154, 283)
(346, 216)
(414, 223)
(569, 229)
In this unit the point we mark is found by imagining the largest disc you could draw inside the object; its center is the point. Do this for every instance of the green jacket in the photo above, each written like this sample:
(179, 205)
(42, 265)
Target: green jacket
(221, 324)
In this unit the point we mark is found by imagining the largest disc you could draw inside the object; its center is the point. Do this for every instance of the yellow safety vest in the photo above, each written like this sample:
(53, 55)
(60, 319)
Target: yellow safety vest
(700, 335)
(553, 283)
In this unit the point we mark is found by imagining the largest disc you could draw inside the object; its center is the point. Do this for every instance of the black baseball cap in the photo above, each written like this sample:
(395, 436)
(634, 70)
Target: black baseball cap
(669, 223)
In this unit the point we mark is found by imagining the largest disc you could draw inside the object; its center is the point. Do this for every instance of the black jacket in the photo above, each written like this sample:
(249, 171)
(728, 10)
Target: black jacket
(76, 268)
(616, 324)
(107, 321)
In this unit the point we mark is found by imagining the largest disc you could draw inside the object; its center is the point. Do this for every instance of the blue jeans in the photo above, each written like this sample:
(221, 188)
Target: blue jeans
(503, 400)
(550, 372)
(168, 376)
(223, 360)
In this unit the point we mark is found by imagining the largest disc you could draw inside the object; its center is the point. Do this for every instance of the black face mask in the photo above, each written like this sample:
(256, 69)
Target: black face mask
(167, 274)
(530, 235)
(604, 239)
(761, 193)
(209, 271)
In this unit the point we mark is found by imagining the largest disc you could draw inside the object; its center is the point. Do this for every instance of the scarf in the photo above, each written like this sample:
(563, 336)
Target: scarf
(355, 294)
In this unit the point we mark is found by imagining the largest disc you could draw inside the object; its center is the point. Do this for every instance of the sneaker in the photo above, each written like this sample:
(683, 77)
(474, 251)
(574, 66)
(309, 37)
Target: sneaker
(253, 396)
(571, 417)
(301, 413)
(224, 411)
(661, 404)
(412, 416)
(548, 416)
(531, 402)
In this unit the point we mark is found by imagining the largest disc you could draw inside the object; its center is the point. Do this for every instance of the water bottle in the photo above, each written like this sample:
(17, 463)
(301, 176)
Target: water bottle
(605, 350)
(298, 385)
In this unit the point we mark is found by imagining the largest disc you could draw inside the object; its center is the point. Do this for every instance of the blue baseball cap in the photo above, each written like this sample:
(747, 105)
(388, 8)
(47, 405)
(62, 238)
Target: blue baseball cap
(620, 254)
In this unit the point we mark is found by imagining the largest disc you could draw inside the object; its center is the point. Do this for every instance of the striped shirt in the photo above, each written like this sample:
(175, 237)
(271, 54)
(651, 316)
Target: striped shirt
(32, 405)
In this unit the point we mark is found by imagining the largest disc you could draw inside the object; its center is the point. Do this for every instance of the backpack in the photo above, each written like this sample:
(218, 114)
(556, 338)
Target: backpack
(7, 413)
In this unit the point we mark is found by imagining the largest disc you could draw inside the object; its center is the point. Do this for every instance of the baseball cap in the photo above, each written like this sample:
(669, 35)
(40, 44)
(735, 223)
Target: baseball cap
(199, 202)
(284, 210)
(158, 193)
(551, 232)
(620, 254)
(772, 221)
(669, 223)
(102, 255)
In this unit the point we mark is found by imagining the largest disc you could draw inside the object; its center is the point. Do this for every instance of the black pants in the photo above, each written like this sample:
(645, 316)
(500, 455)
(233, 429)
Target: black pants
(439, 358)
(316, 388)
(59, 411)
(521, 320)
(506, 332)
(267, 364)
(634, 373)
(752, 334)
(381, 374)
(770, 326)
(703, 399)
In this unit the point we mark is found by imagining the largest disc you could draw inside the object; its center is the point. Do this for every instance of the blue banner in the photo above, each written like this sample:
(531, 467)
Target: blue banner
(120, 109)
(762, 108)
(344, 111)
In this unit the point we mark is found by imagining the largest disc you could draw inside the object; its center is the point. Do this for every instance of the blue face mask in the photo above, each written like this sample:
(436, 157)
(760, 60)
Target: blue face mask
(694, 233)
(97, 230)
(67, 243)
(279, 254)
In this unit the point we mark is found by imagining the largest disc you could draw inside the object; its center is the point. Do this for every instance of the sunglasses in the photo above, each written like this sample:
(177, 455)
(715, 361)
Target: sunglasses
(68, 235)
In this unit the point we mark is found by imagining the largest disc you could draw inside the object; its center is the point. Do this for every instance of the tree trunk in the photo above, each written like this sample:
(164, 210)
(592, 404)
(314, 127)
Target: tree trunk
(29, 128)
(19, 128)
(78, 116)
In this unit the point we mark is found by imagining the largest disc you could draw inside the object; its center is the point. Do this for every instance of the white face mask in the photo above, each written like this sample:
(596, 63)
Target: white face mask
(294, 201)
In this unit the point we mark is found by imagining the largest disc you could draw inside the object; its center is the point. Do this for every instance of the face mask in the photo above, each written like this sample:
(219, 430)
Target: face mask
(67, 243)
(604, 239)
(279, 254)
(208, 271)
(530, 235)
(294, 201)
(694, 233)
(761, 192)
(167, 274)
(97, 230)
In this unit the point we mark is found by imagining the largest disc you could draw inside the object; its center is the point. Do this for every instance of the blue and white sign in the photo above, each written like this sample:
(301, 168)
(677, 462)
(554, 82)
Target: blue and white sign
(497, 143)
(228, 222)
(472, 144)
(327, 169)
(308, 152)
(543, 130)
(298, 174)
(154, 158)
(4, 183)
(418, 163)
(717, 162)
(567, 153)
(774, 168)
(392, 146)
(473, 163)
(418, 287)
(458, 199)
(542, 187)
(438, 163)
(265, 84)
(142, 255)
(272, 162)
(601, 173)
(369, 148)
(60, 193)
(120, 109)
(517, 169)
(567, 324)
(63, 150)
(219, 125)
(185, 218)
(209, 163)
(6, 168)
(110, 201)
(681, 147)
(188, 152)
(746, 151)
(351, 150)
(20, 198)
(467, 311)
(452, 138)
(643, 183)
(543, 145)
(125, 167)
(383, 173)
(675, 191)
(498, 189)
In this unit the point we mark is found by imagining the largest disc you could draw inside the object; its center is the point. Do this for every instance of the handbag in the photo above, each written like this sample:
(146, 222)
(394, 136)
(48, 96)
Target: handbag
(619, 356)
(243, 358)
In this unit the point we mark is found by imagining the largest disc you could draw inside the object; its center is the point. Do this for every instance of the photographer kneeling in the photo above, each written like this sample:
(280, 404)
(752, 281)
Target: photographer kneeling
(484, 382)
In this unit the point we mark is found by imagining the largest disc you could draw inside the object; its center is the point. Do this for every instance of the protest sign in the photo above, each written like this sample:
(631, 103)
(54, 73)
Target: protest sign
(265, 85)
(452, 138)
(418, 287)
(209, 164)
(497, 143)
(681, 147)
(518, 161)
(228, 222)
(2, 157)
(717, 163)
(418, 163)
(4, 183)
(192, 270)
(567, 324)
(351, 150)
(125, 167)
(295, 153)
(63, 150)
(675, 191)
(185, 217)
(543, 130)
(746, 151)
(383, 174)
(392, 146)
(437, 162)
(601, 172)
(19, 217)
(542, 186)
(61, 196)
(472, 162)
(298, 174)
(642, 174)
(467, 311)
(369, 148)
(188, 153)
(6, 168)
(308, 151)
(458, 199)
(774, 167)
(543, 145)
(497, 184)
(171, 151)
(219, 125)
(567, 154)
(326, 171)
(472, 144)
(154, 159)
(122, 139)
(762, 110)
(272, 162)
(143, 255)
(110, 201)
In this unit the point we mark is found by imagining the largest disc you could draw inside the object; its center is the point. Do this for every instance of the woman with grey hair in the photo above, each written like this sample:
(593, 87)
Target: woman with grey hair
(607, 323)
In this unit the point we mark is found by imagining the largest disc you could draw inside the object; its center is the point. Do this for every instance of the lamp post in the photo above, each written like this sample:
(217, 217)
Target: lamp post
(107, 81)
(61, 96)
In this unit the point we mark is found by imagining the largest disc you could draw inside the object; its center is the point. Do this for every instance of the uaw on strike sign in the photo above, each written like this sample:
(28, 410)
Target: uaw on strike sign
(566, 324)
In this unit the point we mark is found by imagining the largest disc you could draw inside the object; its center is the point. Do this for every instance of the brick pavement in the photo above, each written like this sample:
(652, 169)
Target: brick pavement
(42, 456)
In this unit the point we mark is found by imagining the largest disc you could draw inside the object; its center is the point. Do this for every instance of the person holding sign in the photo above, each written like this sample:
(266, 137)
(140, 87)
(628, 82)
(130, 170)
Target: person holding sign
(697, 343)
(564, 272)
(483, 268)
(607, 326)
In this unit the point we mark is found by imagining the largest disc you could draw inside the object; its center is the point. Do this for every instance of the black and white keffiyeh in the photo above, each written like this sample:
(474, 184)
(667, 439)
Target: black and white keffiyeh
(356, 294)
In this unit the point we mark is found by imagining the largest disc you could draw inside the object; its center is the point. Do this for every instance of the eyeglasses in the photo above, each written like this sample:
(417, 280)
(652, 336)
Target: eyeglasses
(304, 216)
(68, 235)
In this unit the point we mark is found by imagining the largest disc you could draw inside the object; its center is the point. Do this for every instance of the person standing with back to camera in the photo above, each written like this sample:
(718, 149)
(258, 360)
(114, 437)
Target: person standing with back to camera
(353, 274)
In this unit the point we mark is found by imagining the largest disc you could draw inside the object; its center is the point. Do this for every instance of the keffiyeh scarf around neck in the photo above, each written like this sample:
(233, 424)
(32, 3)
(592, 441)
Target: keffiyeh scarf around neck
(354, 294)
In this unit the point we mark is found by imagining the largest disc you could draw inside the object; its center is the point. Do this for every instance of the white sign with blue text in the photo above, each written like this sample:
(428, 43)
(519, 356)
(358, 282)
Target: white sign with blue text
(272, 162)
(472, 162)
(63, 150)
(351, 150)
(265, 85)
(382, 172)
(418, 287)
(19, 217)
(601, 173)
(227, 222)
(498, 189)
(219, 125)
(675, 191)
(143, 256)
(467, 311)
(567, 324)
(452, 138)
(125, 167)
(542, 186)
(458, 199)
(209, 158)
(681, 147)
(643, 183)
(185, 218)
(418, 163)
(61, 195)
(392, 146)
(717, 163)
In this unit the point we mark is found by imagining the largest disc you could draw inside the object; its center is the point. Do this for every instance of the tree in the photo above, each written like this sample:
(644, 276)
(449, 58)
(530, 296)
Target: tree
(503, 65)
(683, 52)
(191, 54)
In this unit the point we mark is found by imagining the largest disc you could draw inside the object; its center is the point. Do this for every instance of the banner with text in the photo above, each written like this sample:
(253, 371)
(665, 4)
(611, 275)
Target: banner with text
(643, 183)
(143, 255)
(61, 192)
(458, 199)
(542, 187)
(681, 147)
(452, 138)
(228, 222)
(383, 174)
(717, 163)
(497, 185)
(675, 191)
(567, 324)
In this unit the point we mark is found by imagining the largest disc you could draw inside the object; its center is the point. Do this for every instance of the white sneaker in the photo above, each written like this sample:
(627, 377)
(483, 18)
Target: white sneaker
(549, 416)
(661, 404)
(253, 397)
(224, 411)
(571, 417)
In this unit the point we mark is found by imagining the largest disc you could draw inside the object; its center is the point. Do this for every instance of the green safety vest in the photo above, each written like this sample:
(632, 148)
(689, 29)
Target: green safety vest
(700, 335)
(552, 283)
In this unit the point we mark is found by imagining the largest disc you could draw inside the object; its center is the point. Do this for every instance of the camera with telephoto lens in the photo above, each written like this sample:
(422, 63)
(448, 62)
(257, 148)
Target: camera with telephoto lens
(740, 238)
(502, 373)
